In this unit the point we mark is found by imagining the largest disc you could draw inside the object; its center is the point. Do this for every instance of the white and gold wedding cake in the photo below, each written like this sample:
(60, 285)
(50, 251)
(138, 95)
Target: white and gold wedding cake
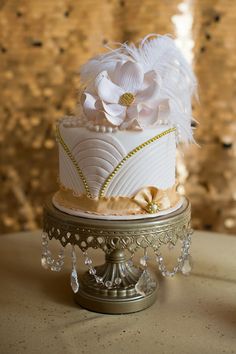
(117, 154)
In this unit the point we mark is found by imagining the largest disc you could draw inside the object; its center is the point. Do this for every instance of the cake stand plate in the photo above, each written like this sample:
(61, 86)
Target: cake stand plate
(118, 286)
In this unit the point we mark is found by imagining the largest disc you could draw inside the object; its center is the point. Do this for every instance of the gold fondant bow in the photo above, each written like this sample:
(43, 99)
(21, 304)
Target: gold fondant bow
(153, 199)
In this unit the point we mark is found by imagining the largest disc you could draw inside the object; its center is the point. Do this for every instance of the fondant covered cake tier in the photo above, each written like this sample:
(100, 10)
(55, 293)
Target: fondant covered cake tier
(118, 172)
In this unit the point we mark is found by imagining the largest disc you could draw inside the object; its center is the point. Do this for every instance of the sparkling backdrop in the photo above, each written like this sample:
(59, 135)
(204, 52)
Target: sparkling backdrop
(42, 45)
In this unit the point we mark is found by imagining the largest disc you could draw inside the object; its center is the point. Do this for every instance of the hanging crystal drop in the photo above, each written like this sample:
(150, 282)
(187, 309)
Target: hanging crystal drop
(159, 259)
(99, 280)
(143, 260)
(44, 236)
(55, 268)
(145, 284)
(61, 255)
(74, 277)
(44, 263)
(88, 261)
(187, 266)
(74, 281)
(50, 260)
(45, 251)
(92, 271)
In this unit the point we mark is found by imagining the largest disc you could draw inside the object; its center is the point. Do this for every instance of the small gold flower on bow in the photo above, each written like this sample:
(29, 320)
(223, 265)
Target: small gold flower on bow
(153, 199)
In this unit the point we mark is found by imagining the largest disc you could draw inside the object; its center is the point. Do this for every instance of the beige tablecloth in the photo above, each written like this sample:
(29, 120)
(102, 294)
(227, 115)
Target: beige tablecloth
(195, 314)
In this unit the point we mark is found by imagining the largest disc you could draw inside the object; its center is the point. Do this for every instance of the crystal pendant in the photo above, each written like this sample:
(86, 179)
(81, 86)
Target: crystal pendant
(143, 261)
(45, 250)
(145, 284)
(47, 261)
(74, 277)
(99, 280)
(88, 261)
(187, 266)
(74, 281)
(44, 263)
(92, 271)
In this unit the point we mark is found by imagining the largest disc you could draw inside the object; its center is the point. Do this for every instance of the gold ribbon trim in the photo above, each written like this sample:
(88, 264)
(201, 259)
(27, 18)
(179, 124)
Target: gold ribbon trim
(147, 200)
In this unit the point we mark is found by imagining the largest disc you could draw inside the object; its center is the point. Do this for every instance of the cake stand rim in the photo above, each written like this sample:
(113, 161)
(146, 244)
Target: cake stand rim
(51, 211)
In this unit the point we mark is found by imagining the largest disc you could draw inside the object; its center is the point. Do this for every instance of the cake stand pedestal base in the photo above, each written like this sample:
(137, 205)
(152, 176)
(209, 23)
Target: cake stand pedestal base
(118, 286)
(123, 296)
(108, 305)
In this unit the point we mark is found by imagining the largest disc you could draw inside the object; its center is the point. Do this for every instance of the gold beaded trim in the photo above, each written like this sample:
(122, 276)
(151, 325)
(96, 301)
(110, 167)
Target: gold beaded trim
(130, 154)
(73, 160)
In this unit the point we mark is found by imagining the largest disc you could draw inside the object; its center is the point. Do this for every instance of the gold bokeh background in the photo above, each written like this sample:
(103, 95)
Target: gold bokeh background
(42, 45)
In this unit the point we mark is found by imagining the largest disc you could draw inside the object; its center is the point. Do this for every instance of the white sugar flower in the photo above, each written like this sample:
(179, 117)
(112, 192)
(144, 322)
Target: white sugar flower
(140, 87)
(125, 97)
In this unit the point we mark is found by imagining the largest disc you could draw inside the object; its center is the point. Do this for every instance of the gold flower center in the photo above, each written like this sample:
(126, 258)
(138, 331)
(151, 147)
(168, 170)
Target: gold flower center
(126, 99)
(152, 207)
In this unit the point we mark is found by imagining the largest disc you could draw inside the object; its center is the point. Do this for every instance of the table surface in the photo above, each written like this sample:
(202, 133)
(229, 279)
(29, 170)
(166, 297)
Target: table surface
(195, 314)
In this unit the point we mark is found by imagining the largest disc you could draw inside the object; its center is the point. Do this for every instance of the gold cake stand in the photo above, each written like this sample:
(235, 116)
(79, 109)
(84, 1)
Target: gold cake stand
(118, 286)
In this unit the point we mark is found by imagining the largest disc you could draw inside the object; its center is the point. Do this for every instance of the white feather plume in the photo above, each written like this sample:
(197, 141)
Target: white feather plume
(158, 53)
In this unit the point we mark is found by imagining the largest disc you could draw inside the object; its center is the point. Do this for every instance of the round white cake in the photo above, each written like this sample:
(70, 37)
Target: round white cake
(117, 156)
